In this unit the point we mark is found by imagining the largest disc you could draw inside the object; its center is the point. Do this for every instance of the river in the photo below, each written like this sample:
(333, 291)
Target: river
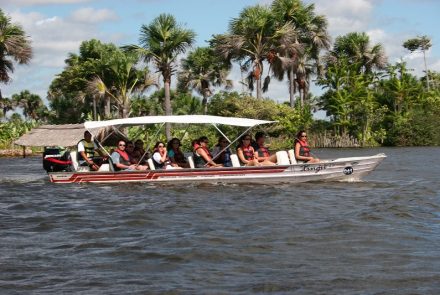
(378, 236)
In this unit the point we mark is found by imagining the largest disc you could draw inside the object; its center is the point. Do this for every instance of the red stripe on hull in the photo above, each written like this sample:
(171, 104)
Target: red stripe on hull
(143, 176)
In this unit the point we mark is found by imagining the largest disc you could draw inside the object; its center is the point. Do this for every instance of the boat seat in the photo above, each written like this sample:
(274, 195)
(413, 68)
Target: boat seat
(292, 157)
(151, 164)
(104, 167)
(75, 164)
(191, 162)
(235, 161)
(282, 158)
(111, 165)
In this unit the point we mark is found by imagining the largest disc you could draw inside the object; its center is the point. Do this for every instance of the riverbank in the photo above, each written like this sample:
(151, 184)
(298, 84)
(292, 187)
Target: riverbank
(17, 153)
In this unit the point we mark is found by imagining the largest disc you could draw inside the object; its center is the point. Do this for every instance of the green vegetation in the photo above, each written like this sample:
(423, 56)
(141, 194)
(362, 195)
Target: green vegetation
(368, 101)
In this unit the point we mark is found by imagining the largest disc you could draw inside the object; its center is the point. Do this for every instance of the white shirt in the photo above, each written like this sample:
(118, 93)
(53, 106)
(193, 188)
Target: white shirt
(81, 146)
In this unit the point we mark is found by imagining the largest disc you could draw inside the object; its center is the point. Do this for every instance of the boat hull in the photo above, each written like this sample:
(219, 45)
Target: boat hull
(342, 169)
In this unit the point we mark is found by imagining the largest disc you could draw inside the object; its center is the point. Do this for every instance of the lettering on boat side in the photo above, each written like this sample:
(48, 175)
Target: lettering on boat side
(315, 168)
(348, 170)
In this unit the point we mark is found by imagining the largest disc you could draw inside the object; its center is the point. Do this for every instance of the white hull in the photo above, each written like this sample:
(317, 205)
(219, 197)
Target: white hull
(342, 169)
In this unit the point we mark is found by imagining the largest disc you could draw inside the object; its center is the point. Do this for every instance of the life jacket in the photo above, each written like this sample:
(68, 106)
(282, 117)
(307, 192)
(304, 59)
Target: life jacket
(199, 161)
(159, 165)
(263, 152)
(248, 152)
(89, 149)
(224, 158)
(124, 159)
(304, 149)
(179, 157)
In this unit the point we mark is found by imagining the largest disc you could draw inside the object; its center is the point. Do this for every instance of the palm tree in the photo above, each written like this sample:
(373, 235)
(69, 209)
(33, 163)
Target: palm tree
(423, 43)
(201, 69)
(357, 49)
(14, 46)
(5, 105)
(250, 41)
(124, 82)
(31, 104)
(161, 42)
(294, 58)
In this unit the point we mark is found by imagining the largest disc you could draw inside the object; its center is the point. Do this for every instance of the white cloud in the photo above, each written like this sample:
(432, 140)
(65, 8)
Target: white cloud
(39, 2)
(53, 37)
(90, 15)
(345, 16)
(47, 20)
(435, 66)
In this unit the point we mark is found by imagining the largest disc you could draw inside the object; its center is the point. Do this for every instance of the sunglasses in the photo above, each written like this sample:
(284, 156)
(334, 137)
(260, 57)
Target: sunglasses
(122, 145)
(247, 139)
(160, 146)
(304, 136)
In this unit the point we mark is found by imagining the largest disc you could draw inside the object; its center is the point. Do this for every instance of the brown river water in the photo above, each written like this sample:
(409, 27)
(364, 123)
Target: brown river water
(378, 236)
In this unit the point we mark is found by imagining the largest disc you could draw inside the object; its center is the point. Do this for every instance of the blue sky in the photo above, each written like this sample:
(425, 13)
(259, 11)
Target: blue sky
(57, 27)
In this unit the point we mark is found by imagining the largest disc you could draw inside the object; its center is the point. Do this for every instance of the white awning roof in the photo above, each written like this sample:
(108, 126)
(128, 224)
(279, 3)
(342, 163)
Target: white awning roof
(184, 119)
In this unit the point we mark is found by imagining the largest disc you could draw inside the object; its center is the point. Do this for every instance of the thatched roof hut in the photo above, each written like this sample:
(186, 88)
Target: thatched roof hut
(67, 135)
(53, 135)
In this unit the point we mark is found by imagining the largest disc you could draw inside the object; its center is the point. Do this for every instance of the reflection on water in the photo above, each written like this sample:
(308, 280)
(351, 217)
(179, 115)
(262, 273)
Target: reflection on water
(381, 235)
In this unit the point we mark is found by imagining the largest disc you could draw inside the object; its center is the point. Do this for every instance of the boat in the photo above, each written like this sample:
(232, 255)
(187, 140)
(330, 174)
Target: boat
(287, 169)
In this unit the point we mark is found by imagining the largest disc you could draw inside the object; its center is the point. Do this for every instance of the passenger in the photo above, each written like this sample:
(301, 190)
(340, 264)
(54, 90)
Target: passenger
(202, 156)
(263, 155)
(139, 152)
(160, 157)
(129, 148)
(302, 150)
(175, 154)
(86, 148)
(246, 153)
(121, 160)
(221, 154)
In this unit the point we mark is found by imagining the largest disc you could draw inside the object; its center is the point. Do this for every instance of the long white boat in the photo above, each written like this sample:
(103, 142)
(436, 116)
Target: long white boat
(287, 170)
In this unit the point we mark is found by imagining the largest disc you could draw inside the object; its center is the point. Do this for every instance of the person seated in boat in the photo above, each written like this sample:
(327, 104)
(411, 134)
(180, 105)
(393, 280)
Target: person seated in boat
(221, 154)
(86, 148)
(139, 152)
(302, 149)
(160, 157)
(121, 159)
(129, 148)
(263, 154)
(202, 156)
(175, 154)
(246, 153)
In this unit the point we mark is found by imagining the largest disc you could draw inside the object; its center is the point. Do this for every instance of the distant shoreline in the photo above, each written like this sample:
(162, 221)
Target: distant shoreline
(15, 153)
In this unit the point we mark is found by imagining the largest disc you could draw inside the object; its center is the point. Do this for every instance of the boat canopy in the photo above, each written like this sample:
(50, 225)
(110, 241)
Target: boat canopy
(183, 119)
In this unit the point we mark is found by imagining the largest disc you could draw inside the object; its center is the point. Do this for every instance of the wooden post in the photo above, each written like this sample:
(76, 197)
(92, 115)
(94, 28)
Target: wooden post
(24, 151)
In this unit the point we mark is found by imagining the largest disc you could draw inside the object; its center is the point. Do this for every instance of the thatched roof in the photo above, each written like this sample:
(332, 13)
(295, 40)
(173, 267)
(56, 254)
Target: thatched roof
(65, 135)
(53, 135)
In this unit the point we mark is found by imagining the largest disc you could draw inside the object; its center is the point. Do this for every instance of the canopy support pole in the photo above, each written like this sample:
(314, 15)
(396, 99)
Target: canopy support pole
(149, 143)
(231, 143)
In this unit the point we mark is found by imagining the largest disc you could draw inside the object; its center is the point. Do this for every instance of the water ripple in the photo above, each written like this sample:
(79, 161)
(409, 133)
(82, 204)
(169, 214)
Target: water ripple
(378, 236)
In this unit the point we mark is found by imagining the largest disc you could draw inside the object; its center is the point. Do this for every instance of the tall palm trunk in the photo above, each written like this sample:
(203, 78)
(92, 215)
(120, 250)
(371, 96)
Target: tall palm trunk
(168, 111)
(94, 108)
(107, 107)
(259, 95)
(125, 110)
(205, 103)
(292, 87)
(426, 70)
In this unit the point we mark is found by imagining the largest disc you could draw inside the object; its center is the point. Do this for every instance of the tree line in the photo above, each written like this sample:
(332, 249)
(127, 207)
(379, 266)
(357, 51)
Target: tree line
(365, 97)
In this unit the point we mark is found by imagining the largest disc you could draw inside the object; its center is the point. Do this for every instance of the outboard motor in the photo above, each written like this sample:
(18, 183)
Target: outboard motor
(54, 161)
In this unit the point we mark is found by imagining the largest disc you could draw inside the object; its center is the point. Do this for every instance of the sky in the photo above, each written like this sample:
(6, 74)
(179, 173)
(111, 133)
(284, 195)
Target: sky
(57, 28)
